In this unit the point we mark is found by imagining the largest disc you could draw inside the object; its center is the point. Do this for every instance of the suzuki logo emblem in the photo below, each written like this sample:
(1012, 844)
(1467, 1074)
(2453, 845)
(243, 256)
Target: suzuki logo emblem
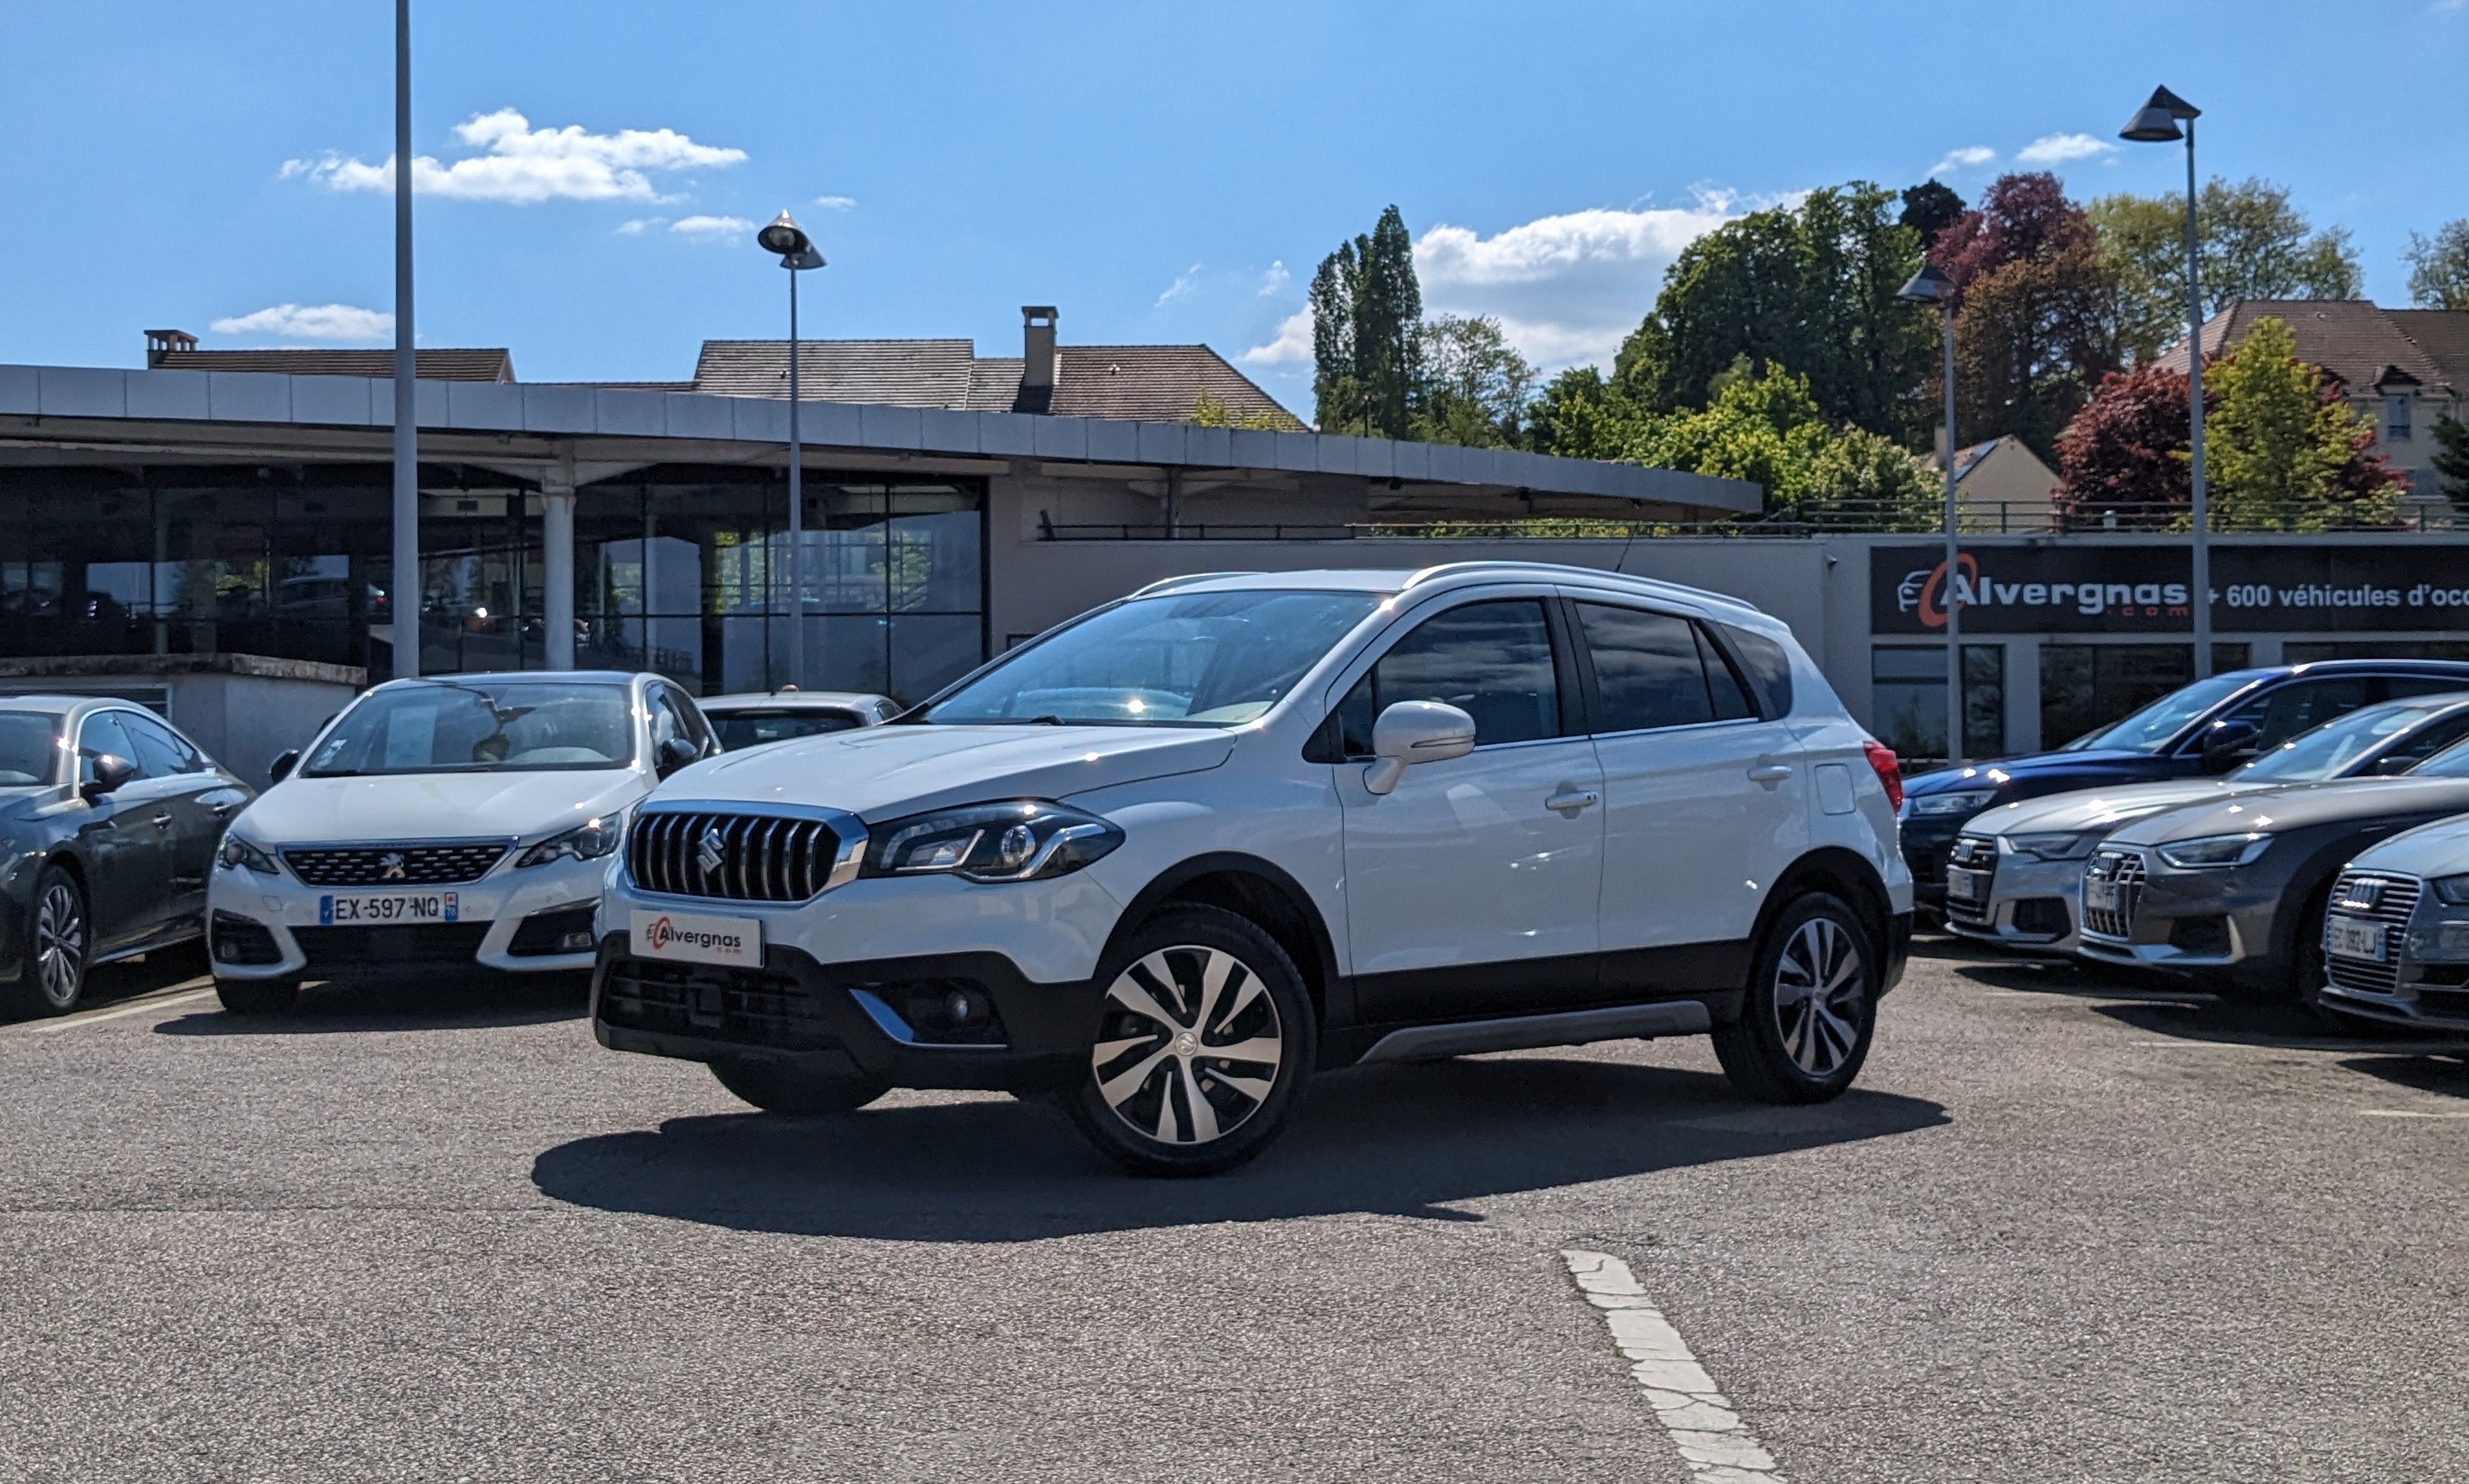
(707, 852)
(390, 866)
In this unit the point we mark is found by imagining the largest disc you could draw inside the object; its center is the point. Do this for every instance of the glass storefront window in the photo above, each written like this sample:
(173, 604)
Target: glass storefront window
(1907, 699)
(2088, 686)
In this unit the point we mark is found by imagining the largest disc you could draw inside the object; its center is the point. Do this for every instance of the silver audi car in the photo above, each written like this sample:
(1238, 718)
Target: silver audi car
(2397, 935)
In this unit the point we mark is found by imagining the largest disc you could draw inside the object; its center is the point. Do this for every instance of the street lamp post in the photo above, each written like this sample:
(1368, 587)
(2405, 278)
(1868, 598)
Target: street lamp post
(2157, 123)
(797, 254)
(1930, 285)
(405, 602)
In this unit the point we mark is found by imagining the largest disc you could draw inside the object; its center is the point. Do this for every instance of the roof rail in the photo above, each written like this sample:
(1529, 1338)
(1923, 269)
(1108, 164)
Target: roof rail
(1168, 585)
(1447, 567)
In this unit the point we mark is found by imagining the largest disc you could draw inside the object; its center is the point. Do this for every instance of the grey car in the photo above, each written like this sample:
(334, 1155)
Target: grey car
(2397, 934)
(2232, 892)
(2015, 875)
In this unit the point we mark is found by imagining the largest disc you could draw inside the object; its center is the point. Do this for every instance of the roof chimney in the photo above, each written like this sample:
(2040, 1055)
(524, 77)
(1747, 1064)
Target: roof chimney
(1037, 358)
(160, 343)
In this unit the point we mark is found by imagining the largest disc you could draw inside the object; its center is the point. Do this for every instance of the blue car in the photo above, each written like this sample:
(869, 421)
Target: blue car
(2207, 727)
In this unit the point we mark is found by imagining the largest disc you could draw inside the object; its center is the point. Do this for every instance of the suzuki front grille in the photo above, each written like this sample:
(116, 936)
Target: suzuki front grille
(737, 857)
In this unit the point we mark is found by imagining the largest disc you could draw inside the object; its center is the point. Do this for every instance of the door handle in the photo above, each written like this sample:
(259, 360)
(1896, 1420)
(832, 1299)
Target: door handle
(1569, 801)
(162, 821)
(1770, 773)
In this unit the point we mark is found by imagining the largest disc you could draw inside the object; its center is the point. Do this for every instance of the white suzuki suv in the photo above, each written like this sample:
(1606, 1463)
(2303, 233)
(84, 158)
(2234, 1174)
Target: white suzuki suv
(1172, 858)
(441, 824)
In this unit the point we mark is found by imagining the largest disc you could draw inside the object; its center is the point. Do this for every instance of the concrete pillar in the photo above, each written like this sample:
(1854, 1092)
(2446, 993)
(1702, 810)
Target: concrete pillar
(557, 574)
(2023, 694)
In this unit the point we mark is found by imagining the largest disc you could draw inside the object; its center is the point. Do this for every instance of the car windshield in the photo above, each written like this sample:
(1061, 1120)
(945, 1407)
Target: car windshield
(2452, 761)
(1190, 659)
(2324, 752)
(753, 728)
(479, 727)
(2150, 729)
(29, 747)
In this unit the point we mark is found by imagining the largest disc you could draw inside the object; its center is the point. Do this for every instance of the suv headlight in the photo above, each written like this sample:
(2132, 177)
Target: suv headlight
(1023, 840)
(1969, 801)
(2216, 850)
(245, 855)
(2055, 845)
(588, 840)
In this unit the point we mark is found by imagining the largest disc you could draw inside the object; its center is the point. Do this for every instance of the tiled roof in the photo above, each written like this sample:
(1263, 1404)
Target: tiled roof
(1158, 383)
(2352, 338)
(442, 365)
(880, 372)
(2443, 335)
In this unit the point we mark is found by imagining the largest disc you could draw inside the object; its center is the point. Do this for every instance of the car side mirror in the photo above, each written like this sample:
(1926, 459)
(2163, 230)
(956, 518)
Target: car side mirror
(2394, 766)
(282, 766)
(2227, 744)
(111, 770)
(675, 753)
(1414, 731)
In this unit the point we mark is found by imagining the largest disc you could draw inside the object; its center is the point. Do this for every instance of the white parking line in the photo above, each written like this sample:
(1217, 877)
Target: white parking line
(2404, 1112)
(96, 1017)
(1715, 1444)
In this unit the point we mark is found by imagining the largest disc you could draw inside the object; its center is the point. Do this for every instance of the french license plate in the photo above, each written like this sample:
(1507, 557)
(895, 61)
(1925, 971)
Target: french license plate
(2100, 896)
(2351, 938)
(1963, 885)
(389, 908)
(695, 939)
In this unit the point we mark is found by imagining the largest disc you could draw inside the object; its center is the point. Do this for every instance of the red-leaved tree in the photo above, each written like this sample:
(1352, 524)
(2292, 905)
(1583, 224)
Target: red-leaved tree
(2127, 449)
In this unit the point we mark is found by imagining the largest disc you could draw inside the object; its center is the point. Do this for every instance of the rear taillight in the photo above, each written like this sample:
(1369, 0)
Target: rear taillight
(1889, 771)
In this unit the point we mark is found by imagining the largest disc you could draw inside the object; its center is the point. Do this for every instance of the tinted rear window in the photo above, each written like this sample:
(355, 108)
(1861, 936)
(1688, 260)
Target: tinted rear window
(753, 728)
(1770, 668)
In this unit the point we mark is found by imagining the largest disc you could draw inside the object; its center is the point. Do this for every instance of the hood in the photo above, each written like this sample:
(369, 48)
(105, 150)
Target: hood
(2101, 808)
(2041, 773)
(436, 805)
(2429, 851)
(2303, 806)
(882, 772)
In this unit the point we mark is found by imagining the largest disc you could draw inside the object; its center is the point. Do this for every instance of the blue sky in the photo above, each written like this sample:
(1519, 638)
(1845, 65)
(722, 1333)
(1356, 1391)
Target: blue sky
(1162, 173)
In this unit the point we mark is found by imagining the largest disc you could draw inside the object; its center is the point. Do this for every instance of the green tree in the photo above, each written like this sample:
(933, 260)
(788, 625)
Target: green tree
(1929, 208)
(2252, 243)
(2438, 266)
(1581, 415)
(2450, 460)
(1365, 309)
(1766, 426)
(1810, 287)
(1211, 410)
(2282, 450)
(1474, 385)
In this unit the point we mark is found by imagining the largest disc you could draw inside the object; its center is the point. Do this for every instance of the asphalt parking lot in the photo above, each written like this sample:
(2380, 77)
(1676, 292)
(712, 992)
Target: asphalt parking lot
(2062, 1229)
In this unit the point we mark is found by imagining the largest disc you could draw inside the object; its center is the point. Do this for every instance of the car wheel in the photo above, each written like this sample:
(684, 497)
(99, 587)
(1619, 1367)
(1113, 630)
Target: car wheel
(1810, 1010)
(2303, 984)
(777, 1087)
(1204, 1040)
(257, 996)
(58, 946)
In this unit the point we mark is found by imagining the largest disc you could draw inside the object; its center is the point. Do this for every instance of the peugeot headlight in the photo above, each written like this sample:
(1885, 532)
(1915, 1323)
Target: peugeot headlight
(1025, 839)
(2054, 845)
(588, 840)
(245, 855)
(2216, 850)
(1968, 801)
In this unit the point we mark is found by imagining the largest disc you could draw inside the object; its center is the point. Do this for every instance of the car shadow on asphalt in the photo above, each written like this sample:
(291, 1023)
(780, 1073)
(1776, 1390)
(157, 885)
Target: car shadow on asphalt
(1391, 1140)
(2443, 1076)
(484, 1001)
(109, 984)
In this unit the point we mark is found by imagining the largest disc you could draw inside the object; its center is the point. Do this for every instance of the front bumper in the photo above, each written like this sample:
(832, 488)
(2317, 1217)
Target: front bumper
(2214, 924)
(2032, 906)
(2435, 1009)
(490, 916)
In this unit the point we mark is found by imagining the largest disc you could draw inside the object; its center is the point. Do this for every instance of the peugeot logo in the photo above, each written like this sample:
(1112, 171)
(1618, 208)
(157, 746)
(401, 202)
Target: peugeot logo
(390, 866)
(707, 852)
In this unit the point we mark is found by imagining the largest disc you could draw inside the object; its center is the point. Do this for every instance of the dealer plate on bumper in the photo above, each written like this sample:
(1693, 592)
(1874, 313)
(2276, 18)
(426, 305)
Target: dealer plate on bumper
(693, 938)
(2351, 938)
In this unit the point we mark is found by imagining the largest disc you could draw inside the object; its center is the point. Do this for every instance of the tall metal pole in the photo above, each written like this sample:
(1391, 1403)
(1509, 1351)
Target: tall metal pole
(2203, 550)
(796, 509)
(1953, 561)
(407, 396)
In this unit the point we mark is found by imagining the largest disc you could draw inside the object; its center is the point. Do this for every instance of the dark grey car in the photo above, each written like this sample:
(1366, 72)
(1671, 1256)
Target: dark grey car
(2232, 892)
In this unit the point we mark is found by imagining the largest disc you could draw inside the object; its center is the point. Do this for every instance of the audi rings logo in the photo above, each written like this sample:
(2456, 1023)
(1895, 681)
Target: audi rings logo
(663, 934)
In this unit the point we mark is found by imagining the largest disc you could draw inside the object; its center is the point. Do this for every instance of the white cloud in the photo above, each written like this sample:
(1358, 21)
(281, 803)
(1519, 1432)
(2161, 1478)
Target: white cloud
(2059, 149)
(1964, 158)
(1182, 286)
(836, 203)
(1293, 342)
(522, 165)
(1275, 279)
(635, 228)
(705, 229)
(310, 322)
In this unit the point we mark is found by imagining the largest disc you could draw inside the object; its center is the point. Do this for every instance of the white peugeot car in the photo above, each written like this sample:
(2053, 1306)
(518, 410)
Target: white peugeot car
(441, 824)
(1168, 860)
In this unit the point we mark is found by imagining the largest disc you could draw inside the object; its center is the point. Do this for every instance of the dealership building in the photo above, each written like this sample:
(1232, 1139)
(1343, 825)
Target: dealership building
(157, 521)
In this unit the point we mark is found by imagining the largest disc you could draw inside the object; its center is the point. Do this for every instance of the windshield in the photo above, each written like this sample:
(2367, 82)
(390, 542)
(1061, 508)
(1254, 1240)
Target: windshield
(739, 729)
(2150, 729)
(477, 726)
(2452, 761)
(29, 747)
(2329, 750)
(1196, 659)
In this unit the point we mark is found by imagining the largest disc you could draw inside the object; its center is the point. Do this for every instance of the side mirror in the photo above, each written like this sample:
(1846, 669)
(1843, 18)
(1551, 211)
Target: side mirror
(1415, 731)
(110, 772)
(2394, 766)
(2227, 744)
(283, 764)
(675, 753)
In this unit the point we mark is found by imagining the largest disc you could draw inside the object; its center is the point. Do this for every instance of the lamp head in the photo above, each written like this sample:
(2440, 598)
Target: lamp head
(2157, 121)
(784, 237)
(1929, 285)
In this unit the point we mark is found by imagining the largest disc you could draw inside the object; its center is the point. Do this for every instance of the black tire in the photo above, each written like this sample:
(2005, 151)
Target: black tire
(777, 1087)
(59, 944)
(1783, 1048)
(257, 996)
(2301, 983)
(1154, 1100)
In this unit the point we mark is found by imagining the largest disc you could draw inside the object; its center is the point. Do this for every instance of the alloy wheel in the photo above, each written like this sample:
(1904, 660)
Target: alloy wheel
(59, 942)
(1191, 1045)
(1817, 991)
